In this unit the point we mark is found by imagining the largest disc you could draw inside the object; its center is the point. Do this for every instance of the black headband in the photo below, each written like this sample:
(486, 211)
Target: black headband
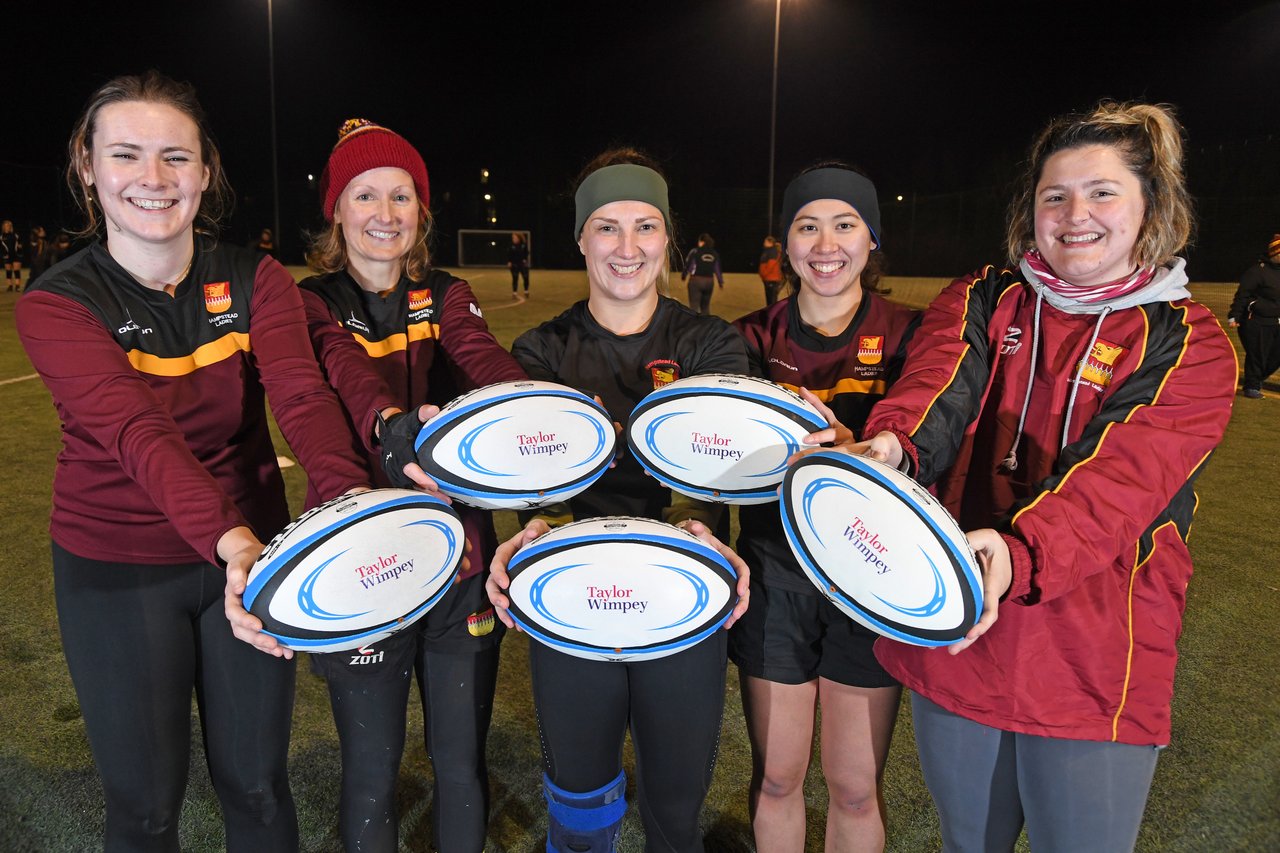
(832, 182)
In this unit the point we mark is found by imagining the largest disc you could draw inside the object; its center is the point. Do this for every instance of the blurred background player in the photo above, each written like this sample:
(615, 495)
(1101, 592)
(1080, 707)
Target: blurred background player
(702, 269)
(1255, 313)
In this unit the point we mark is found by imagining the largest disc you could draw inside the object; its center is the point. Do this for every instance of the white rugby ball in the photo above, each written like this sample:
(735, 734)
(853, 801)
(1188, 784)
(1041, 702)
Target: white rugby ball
(721, 437)
(355, 570)
(881, 548)
(517, 445)
(620, 588)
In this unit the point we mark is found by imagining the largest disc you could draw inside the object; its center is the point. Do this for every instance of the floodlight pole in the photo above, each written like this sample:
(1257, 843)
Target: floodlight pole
(773, 113)
(275, 169)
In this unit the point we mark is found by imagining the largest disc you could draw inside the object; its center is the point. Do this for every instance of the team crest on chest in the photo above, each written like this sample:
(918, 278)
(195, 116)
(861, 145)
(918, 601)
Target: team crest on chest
(870, 348)
(1100, 366)
(419, 299)
(217, 297)
(663, 372)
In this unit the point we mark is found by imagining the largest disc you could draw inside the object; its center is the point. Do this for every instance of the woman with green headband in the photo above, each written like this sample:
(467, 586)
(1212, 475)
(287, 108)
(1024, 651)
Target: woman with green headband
(837, 337)
(619, 344)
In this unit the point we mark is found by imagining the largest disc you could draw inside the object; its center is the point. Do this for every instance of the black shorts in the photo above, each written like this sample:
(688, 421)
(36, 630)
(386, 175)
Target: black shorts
(794, 637)
(461, 622)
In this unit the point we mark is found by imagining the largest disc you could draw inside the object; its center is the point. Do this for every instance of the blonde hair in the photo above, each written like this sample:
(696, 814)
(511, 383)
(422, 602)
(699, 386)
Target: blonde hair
(327, 252)
(151, 87)
(1149, 139)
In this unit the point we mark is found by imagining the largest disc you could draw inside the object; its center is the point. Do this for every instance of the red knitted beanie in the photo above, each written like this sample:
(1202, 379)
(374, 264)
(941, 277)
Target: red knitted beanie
(363, 145)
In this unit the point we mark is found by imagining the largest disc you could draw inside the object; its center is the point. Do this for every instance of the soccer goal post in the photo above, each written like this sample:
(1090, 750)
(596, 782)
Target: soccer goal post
(488, 247)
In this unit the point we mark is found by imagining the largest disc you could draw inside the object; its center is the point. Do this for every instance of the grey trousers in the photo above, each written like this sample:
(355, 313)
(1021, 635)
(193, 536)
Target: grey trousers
(1072, 795)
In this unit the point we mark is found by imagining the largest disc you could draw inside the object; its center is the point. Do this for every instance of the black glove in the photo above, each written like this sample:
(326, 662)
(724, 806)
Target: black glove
(397, 436)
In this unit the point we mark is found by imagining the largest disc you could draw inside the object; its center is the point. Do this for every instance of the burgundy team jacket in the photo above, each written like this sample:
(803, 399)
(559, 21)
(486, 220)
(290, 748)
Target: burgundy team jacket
(165, 441)
(1085, 646)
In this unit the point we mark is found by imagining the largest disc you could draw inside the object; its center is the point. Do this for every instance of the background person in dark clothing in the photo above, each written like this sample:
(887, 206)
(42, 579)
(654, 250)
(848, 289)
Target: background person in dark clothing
(1255, 312)
(701, 267)
(37, 246)
(518, 263)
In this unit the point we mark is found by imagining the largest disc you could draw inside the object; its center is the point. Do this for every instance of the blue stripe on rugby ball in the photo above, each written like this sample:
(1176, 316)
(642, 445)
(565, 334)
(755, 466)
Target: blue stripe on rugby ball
(541, 623)
(591, 466)
(310, 532)
(668, 471)
(960, 564)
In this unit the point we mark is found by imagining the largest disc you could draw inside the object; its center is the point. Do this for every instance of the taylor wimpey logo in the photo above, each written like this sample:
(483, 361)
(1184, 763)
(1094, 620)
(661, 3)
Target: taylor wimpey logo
(383, 569)
(1100, 366)
(663, 372)
(217, 297)
(419, 299)
(539, 444)
(614, 598)
(713, 444)
(867, 543)
(870, 348)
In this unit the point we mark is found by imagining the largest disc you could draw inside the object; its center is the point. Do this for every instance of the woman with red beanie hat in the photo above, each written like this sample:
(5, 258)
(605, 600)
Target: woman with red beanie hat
(390, 333)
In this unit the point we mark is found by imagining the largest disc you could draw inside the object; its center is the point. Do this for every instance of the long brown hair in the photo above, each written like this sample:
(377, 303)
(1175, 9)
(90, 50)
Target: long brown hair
(151, 87)
(1148, 139)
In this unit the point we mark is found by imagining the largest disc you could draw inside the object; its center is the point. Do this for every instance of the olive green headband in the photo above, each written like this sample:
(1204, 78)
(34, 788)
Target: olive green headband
(623, 182)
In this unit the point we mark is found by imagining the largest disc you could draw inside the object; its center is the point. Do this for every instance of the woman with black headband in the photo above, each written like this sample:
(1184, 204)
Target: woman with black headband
(837, 337)
(619, 344)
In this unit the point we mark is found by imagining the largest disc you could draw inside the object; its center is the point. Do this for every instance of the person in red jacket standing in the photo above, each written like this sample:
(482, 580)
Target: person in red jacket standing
(1064, 408)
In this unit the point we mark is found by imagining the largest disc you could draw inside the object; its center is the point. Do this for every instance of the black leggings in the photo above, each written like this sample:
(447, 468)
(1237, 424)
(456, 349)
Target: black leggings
(673, 706)
(456, 689)
(516, 273)
(137, 639)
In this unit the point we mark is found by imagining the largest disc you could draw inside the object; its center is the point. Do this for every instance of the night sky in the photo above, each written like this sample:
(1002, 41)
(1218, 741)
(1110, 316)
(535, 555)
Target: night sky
(926, 97)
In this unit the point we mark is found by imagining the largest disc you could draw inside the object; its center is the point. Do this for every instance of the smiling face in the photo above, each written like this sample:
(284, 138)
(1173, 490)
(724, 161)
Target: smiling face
(828, 245)
(378, 213)
(146, 172)
(625, 244)
(1089, 209)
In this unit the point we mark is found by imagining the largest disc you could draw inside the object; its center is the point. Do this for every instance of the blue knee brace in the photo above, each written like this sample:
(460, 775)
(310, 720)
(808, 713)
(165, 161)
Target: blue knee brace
(585, 823)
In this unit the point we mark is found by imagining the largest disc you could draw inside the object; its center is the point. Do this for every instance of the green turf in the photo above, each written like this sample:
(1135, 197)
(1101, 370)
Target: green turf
(1217, 787)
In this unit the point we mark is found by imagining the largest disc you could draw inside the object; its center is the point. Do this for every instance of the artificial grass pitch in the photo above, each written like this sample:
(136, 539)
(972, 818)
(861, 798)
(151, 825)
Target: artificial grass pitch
(1217, 787)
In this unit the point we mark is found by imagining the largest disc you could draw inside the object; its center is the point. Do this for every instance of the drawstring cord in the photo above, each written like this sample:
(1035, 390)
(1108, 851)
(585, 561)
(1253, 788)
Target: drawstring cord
(1075, 383)
(1010, 462)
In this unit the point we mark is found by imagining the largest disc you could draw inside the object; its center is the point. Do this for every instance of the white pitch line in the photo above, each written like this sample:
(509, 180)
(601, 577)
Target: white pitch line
(19, 379)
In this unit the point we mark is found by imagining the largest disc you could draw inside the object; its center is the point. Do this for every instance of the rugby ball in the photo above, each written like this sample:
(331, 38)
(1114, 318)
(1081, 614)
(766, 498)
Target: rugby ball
(721, 437)
(620, 588)
(355, 570)
(517, 445)
(881, 548)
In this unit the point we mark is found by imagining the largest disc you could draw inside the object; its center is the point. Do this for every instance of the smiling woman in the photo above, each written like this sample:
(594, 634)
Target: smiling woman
(1064, 407)
(621, 343)
(159, 346)
(392, 333)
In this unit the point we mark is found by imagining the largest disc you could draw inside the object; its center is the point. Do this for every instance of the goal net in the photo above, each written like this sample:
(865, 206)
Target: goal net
(484, 247)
